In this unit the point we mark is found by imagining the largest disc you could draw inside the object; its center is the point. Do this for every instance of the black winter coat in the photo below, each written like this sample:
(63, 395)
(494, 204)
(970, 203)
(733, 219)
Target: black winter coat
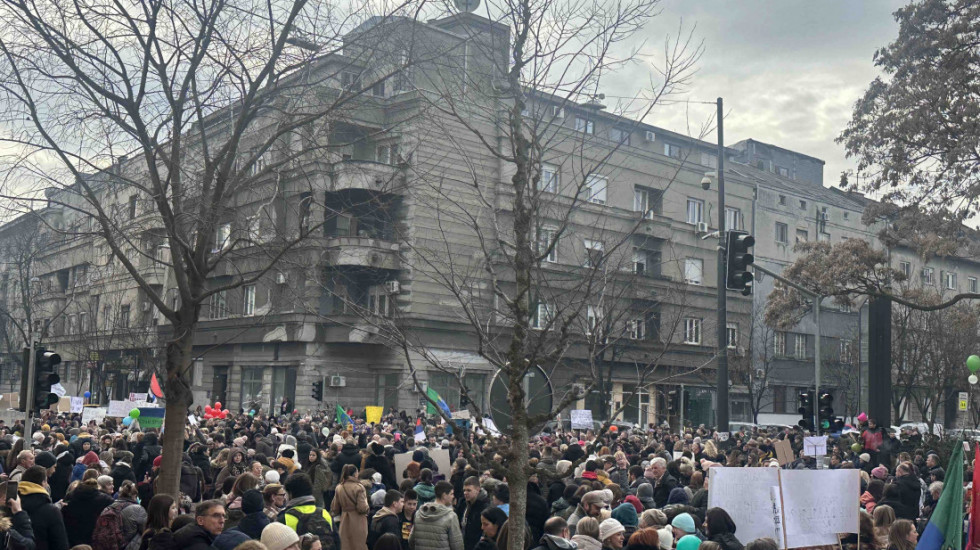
(121, 472)
(46, 522)
(193, 537)
(727, 541)
(663, 488)
(83, 508)
(19, 535)
(471, 525)
(161, 540)
(910, 491)
(381, 465)
(348, 455)
(58, 482)
(537, 511)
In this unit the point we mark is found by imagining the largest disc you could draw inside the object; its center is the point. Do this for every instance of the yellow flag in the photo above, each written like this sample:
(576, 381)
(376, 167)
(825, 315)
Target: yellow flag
(374, 414)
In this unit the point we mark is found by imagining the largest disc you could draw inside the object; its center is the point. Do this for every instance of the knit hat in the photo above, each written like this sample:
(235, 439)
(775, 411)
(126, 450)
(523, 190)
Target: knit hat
(277, 536)
(880, 472)
(677, 496)
(635, 502)
(252, 501)
(272, 476)
(688, 542)
(684, 522)
(157, 461)
(45, 459)
(666, 535)
(865, 457)
(625, 514)
(90, 458)
(608, 528)
(562, 467)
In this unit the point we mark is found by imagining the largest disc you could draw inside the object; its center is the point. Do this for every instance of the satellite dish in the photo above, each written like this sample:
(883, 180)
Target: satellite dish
(539, 392)
(467, 5)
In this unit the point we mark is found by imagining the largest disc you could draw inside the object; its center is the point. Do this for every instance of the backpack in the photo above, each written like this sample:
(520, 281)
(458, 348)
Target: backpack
(315, 523)
(107, 534)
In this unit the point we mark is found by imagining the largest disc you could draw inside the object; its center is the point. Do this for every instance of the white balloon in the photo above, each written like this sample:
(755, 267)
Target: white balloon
(972, 379)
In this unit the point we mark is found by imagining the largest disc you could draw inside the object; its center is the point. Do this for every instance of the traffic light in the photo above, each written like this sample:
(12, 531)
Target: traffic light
(318, 390)
(44, 377)
(738, 259)
(826, 412)
(806, 410)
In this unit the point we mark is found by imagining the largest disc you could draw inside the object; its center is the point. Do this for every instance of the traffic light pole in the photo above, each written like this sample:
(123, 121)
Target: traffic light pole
(29, 405)
(722, 381)
(817, 362)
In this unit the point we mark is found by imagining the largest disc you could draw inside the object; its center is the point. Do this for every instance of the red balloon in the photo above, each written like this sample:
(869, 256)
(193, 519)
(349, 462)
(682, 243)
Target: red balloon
(295, 411)
(217, 405)
(224, 414)
(207, 409)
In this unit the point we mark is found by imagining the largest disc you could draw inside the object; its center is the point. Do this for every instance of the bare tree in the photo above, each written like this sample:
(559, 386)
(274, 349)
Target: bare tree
(185, 126)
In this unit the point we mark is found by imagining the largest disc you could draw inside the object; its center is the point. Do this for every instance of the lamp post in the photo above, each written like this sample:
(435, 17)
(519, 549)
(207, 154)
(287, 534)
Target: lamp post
(722, 374)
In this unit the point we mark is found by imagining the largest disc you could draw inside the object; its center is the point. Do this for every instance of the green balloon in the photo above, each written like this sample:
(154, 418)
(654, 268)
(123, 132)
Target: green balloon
(856, 447)
(134, 414)
(973, 363)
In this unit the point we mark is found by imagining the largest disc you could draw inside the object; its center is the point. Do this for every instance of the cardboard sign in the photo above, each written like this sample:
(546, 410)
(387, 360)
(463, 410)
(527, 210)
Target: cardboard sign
(581, 419)
(784, 452)
(9, 400)
(77, 404)
(97, 414)
(373, 414)
(63, 405)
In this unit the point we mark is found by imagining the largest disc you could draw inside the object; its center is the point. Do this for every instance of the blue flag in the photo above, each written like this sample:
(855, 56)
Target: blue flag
(945, 528)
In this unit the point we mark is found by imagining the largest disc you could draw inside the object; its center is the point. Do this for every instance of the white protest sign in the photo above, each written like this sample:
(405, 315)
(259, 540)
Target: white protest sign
(133, 396)
(120, 409)
(581, 419)
(745, 494)
(77, 404)
(441, 458)
(192, 419)
(819, 502)
(401, 462)
(97, 414)
(58, 389)
(777, 514)
(815, 446)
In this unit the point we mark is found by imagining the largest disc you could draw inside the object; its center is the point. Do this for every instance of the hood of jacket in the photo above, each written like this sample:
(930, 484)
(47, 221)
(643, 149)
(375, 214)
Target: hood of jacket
(425, 491)
(27, 488)
(585, 542)
(554, 542)
(384, 511)
(433, 511)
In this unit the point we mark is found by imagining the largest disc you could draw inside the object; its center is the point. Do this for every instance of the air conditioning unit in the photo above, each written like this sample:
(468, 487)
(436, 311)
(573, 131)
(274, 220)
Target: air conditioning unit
(702, 227)
(578, 390)
(338, 382)
(557, 112)
(282, 278)
(392, 287)
(651, 136)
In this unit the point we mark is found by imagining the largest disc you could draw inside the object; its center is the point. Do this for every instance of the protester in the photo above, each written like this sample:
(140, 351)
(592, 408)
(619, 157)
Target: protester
(160, 514)
(351, 505)
(46, 520)
(492, 519)
(436, 525)
(209, 522)
(902, 535)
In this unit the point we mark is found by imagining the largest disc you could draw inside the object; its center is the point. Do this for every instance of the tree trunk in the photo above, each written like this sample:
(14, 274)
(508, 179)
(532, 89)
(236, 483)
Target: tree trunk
(179, 398)
(517, 476)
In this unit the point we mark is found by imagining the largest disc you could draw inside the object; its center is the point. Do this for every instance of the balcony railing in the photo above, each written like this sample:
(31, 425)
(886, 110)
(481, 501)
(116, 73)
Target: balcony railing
(366, 175)
(362, 252)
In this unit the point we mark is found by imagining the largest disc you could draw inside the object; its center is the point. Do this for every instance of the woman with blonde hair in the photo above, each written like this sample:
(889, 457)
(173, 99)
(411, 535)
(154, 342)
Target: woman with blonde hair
(884, 517)
(902, 535)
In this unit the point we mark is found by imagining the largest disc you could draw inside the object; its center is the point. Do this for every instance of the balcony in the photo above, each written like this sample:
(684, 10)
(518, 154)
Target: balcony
(365, 175)
(350, 330)
(366, 252)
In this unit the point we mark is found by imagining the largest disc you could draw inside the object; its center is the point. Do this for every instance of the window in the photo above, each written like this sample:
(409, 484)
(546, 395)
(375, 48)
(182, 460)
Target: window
(379, 302)
(692, 331)
(927, 273)
(252, 384)
(222, 236)
(584, 125)
(596, 188)
(549, 178)
(124, 316)
(83, 322)
(543, 314)
(731, 335)
(350, 81)
(695, 211)
(799, 346)
(259, 164)
(639, 261)
(132, 206)
(802, 205)
(387, 154)
(782, 200)
(906, 269)
(949, 280)
(694, 271)
(784, 172)
(733, 219)
(547, 236)
(636, 329)
(593, 253)
(378, 89)
(844, 308)
(305, 206)
(248, 301)
(218, 306)
(71, 327)
(972, 282)
(619, 135)
(802, 236)
(645, 201)
(846, 216)
(782, 233)
(672, 150)
(710, 160)
(107, 317)
(779, 399)
(845, 351)
(593, 318)
(779, 340)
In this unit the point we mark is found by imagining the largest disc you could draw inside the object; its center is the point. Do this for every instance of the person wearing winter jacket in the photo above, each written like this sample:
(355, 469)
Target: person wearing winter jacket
(236, 466)
(59, 480)
(122, 469)
(492, 521)
(313, 465)
(475, 500)
(555, 536)
(102, 540)
(720, 528)
(424, 488)
(46, 521)
(348, 455)
(386, 519)
(89, 459)
(147, 454)
(15, 530)
(436, 526)
(379, 463)
(587, 534)
(83, 507)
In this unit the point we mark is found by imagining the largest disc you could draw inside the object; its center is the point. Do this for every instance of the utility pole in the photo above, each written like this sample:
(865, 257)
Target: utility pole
(29, 397)
(722, 383)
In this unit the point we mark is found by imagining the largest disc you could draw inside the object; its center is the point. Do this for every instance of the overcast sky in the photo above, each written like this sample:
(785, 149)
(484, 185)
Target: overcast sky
(789, 70)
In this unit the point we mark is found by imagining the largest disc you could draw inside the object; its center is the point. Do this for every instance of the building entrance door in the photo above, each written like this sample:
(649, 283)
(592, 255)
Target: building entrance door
(219, 389)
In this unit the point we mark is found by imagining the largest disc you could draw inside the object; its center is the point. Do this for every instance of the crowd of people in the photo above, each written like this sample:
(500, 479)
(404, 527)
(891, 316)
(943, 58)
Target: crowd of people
(305, 482)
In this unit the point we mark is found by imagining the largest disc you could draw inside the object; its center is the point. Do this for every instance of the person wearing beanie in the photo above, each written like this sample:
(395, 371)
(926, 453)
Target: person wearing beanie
(301, 501)
(379, 463)
(84, 504)
(688, 542)
(158, 461)
(677, 496)
(683, 524)
(879, 472)
(271, 477)
(255, 519)
(611, 534)
(644, 493)
(122, 470)
(277, 536)
(626, 515)
(631, 499)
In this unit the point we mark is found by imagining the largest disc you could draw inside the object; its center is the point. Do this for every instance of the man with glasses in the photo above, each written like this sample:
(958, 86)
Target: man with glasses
(209, 523)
